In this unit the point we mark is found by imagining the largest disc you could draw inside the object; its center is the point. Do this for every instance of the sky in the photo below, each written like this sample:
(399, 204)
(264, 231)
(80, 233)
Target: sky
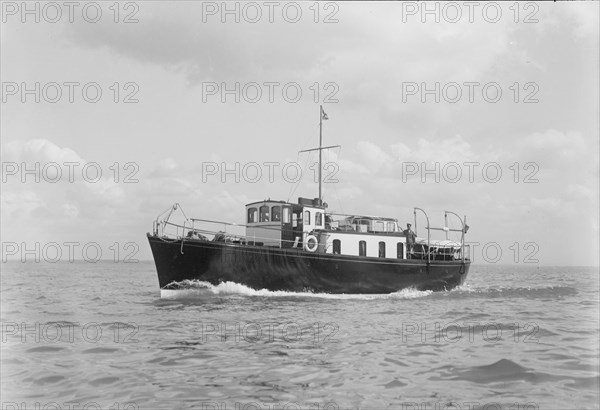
(112, 112)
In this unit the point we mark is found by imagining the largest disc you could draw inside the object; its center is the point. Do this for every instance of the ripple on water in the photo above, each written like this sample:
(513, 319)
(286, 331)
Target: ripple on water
(379, 351)
(100, 350)
(45, 349)
(103, 381)
(504, 370)
(48, 380)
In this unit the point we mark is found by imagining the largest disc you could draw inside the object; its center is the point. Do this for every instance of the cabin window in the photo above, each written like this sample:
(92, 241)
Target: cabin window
(297, 219)
(378, 226)
(363, 225)
(252, 215)
(382, 249)
(400, 250)
(391, 227)
(307, 217)
(337, 246)
(362, 248)
(264, 213)
(276, 213)
(286, 215)
(319, 219)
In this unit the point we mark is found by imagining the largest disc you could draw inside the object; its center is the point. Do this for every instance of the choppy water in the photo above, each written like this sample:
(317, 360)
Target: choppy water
(516, 336)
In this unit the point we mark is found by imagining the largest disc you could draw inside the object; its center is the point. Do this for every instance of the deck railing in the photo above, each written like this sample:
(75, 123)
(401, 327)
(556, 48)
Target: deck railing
(446, 229)
(196, 228)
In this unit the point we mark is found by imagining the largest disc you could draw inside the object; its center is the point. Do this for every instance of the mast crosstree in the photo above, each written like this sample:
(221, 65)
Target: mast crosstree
(322, 116)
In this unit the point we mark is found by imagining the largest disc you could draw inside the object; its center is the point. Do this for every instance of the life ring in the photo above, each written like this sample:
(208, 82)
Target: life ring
(311, 244)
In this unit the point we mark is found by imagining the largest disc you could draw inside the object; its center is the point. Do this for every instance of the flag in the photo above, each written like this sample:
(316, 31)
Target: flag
(323, 114)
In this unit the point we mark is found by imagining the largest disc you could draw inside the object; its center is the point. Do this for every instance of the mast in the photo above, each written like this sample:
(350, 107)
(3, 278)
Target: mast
(322, 116)
(320, 150)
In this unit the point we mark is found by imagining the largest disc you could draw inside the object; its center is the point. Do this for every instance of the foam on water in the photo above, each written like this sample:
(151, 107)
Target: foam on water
(508, 335)
(195, 289)
(199, 289)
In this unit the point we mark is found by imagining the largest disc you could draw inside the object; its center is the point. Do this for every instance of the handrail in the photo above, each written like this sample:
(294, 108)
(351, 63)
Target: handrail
(161, 222)
(363, 216)
(433, 249)
(214, 232)
(189, 224)
(428, 231)
(463, 230)
(462, 238)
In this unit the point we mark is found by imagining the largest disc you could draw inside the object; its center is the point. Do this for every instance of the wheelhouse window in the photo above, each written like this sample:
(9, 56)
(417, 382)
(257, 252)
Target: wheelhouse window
(276, 213)
(400, 250)
(337, 246)
(252, 215)
(319, 219)
(264, 213)
(391, 227)
(287, 215)
(382, 249)
(297, 219)
(307, 217)
(378, 226)
(362, 248)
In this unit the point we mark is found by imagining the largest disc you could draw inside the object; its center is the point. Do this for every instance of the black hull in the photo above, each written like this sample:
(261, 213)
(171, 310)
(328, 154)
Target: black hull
(296, 270)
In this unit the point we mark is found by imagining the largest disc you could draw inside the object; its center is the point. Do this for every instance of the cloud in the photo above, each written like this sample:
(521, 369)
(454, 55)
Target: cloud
(39, 150)
(369, 54)
(18, 205)
(78, 207)
(452, 149)
(178, 39)
(559, 145)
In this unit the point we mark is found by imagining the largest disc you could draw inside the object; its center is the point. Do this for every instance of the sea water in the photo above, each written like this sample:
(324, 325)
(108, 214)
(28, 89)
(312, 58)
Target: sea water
(102, 335)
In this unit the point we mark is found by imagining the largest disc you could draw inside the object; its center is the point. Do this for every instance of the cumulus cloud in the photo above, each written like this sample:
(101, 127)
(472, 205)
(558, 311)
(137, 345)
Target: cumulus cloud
(369, 54)
(40, 151)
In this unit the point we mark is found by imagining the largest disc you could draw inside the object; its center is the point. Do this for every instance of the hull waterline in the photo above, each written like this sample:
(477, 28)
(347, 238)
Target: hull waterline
(297, 270)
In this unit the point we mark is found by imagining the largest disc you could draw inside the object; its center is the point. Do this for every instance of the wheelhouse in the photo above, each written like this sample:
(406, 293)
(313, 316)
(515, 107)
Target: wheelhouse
(306, 225)
(283, 224)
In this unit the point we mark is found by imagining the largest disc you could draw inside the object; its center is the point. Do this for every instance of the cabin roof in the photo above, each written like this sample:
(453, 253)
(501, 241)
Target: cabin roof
(303, 202)
(372, 218)
(270, 201)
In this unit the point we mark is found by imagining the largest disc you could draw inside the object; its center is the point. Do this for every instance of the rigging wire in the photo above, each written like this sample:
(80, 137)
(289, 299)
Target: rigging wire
(337, 197)
(294, 187)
